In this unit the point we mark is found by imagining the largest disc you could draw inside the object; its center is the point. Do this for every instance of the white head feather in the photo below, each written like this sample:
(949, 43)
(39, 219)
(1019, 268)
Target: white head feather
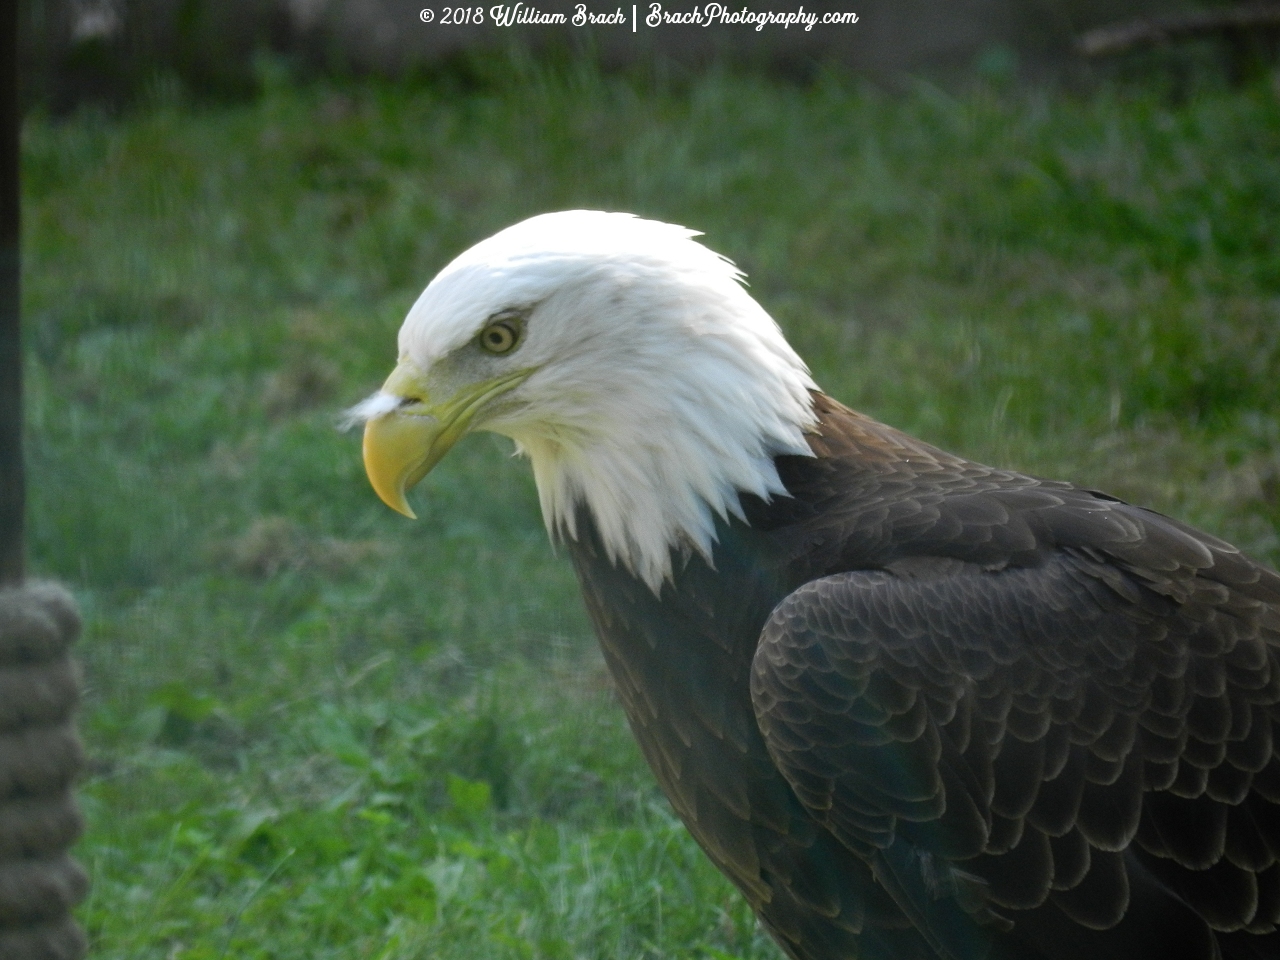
(661, 390)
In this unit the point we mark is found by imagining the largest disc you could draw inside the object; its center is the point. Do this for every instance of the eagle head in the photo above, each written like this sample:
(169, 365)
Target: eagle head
(627, 362)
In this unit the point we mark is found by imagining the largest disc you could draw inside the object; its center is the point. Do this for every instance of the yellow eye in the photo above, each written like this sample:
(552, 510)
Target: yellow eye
(501, 336)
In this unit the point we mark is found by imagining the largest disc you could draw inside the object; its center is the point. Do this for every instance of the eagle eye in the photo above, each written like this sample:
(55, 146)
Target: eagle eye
(501, 334)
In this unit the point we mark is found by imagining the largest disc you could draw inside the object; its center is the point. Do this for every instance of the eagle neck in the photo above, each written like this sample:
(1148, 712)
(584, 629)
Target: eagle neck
(660, 470)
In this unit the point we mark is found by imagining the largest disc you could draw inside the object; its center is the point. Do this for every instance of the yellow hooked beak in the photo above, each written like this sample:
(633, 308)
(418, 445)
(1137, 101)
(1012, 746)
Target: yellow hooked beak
(401, 447)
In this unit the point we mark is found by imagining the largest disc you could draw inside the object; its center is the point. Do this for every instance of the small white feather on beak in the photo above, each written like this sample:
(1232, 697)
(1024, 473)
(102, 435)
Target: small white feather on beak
(374, 405)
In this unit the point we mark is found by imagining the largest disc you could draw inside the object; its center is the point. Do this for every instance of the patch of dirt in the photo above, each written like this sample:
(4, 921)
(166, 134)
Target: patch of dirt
(299, 385)
(275, 544)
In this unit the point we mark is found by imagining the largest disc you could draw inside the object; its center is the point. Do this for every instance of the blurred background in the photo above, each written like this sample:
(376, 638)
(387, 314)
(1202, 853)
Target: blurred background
(107, 51)
(317, 729)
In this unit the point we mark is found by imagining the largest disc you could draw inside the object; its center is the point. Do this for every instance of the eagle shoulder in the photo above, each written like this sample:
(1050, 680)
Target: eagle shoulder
(1045, 738)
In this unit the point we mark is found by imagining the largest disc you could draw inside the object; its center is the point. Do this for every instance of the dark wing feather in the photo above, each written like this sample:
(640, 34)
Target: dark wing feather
(682, 675)
(1081, 744)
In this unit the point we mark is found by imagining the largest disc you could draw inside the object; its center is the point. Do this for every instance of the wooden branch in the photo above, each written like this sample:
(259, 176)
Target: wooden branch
(1117, 38)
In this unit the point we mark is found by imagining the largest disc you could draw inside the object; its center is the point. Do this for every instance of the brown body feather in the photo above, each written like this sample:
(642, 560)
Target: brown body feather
(923, 708)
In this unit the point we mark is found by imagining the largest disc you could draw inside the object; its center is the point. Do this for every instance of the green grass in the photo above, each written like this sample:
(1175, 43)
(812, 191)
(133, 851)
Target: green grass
(319, 730)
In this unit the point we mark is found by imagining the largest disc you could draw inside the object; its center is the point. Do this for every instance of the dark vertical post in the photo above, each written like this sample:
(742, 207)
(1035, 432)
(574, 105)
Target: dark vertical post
(40, 754)
(11, 475)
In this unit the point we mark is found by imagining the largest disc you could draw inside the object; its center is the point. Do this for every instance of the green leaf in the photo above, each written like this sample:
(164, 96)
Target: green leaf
(471, 798)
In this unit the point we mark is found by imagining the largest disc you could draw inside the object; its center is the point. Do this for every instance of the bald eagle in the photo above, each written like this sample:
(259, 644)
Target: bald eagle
(912, 706)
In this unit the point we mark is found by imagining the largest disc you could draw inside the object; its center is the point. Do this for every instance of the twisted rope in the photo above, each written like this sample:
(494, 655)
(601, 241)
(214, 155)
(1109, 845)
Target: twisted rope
(40, 757)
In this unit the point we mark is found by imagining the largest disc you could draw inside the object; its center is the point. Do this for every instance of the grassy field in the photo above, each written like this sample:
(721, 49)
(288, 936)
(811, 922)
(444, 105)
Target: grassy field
(319, 730)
